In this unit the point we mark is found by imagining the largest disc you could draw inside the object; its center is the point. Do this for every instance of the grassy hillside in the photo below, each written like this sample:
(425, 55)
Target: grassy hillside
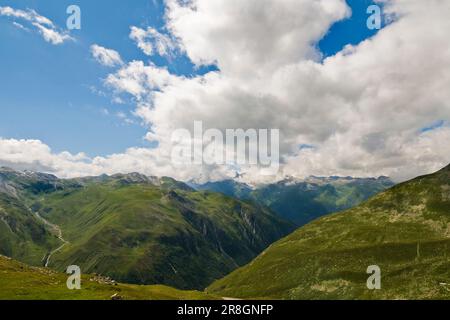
(404, 230)
(21, 282)
(138, 232)
(22, 235)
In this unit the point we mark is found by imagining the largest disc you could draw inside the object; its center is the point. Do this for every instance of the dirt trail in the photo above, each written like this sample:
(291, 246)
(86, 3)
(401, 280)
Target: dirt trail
(56, 230)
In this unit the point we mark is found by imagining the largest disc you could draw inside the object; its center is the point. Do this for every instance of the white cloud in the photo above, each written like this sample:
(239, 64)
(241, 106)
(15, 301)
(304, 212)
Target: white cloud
(124, 117)
(106, 57)
(45, 26)
(37, 156)
(362, 109)
(151, 41)
(28, 15)
(20, 26)
(51, 35)
(252, 37)
(34, 155)
(140, 80)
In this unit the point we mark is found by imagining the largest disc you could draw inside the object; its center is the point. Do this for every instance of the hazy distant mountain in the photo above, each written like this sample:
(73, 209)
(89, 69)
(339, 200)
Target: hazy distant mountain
(303, 200)
(230, 188)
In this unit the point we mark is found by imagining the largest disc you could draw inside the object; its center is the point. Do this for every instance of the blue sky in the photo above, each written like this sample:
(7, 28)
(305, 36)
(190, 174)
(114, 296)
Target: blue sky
(46, 90)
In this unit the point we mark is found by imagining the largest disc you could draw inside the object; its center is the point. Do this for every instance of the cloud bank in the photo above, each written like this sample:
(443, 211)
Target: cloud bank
(361, 112)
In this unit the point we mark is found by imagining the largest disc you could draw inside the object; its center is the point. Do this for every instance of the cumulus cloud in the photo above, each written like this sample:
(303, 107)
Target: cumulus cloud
(37, 156)
(106, 57)
(362, 112)
(151, 41)
(253, 37)
(141, 80)
(362, 109)
(44, 26)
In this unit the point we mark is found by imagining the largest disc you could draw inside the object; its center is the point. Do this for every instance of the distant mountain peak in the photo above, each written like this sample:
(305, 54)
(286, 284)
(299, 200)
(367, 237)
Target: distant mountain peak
(134, 177)
(323, 180)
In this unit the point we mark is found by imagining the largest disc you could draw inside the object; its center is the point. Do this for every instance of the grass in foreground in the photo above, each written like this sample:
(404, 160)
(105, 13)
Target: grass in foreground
(21, 282)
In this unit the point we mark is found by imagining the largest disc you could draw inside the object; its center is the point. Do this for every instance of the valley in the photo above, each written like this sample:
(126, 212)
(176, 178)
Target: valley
(404, 230)
(143, 230)
(58, 232)
(165, 236)
(290, 150)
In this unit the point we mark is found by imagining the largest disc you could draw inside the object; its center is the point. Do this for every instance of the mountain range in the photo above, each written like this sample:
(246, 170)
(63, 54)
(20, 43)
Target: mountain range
(303, 200)
(148, 230)
(133, 228)
(405, 231)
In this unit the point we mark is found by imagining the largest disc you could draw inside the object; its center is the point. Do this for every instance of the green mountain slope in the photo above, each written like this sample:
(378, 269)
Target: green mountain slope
(22, 235)
(404, 230)
(302, 201)
(21, 282)
(149, 232)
